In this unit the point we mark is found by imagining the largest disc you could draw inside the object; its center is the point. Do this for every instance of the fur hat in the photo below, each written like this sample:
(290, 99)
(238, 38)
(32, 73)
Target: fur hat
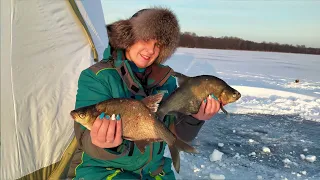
(154, 23)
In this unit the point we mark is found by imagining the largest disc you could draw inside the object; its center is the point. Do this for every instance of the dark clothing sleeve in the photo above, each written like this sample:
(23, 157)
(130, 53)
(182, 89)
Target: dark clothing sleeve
(187, 127)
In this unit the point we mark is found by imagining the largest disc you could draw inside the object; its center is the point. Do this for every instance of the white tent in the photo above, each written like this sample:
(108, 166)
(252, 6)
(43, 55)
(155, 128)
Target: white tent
(44, 47)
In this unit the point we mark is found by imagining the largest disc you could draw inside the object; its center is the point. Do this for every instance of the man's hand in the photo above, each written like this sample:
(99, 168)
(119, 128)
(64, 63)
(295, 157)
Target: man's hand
(106, 131)
(209, 107)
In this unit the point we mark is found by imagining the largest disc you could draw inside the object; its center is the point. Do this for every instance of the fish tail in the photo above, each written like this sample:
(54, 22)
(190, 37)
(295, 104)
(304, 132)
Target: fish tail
(183, 146)
(175, 149)
(175, 157)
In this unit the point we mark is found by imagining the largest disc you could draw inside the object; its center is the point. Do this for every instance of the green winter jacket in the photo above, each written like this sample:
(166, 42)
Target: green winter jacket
(114, 79)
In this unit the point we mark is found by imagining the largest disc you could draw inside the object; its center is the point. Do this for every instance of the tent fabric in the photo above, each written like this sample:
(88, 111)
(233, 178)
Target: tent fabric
(43, 51)
(58, 170)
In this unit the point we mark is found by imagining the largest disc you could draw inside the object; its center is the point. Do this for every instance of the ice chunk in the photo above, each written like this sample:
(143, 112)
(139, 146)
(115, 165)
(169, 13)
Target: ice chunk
(251, 141)
(196, 169)
(216, 156)
(252, 154)
(302, 156)
(286, 161)
(237, 156)
(303, 172)
(311, 158)
(217, 176)
(266, 149)
(305, 149)
(259, 177)
(220, 144)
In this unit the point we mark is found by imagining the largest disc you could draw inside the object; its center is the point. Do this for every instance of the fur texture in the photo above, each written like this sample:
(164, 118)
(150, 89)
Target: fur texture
(154, 23)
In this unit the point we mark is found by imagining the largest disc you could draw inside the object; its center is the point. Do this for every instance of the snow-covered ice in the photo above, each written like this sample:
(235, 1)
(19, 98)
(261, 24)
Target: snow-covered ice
(311, 158)
(266, 149)
(217, 176)
(220, 144)
(273, 112)
(216, 156)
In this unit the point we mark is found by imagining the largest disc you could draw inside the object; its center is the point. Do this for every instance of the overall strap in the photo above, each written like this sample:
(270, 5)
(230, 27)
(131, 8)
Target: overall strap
(132, 83)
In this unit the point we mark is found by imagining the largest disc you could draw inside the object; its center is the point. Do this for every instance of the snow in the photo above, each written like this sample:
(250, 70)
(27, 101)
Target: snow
(216, 156)
(311, 158)
(270, 127)
(266, 149)
(303, 172)
(220, 144)
(216, 176)
(259, 177)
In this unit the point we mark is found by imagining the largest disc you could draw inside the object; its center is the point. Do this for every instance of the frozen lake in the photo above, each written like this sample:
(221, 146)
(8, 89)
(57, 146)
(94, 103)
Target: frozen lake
(273, 112)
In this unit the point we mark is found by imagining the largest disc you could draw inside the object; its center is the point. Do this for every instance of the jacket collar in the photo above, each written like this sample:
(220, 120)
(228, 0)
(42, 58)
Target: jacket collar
(156, 74)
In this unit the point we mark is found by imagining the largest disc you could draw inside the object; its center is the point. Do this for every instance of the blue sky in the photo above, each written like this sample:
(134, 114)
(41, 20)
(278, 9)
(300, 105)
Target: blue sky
(283, 21)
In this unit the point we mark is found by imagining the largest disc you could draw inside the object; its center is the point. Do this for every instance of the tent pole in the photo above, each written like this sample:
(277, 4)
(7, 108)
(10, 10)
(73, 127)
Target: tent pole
(66, 157)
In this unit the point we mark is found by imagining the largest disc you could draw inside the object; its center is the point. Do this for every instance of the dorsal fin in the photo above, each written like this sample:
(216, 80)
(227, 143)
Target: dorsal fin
(152, 102)
(181, 77)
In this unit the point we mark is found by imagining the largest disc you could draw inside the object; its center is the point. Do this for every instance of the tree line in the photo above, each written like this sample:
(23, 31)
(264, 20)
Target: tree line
(191, 40)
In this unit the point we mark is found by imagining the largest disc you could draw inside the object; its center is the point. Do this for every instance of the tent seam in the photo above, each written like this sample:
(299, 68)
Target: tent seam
(12, 89)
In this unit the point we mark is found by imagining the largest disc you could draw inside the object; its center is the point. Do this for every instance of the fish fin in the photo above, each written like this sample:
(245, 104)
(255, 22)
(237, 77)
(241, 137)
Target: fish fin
(175, 113)
(183, 146)
(181, 77)
(175, 149)
(175, 156)
(160, 114)
(224, 110)
(152, 102)
(141, 145)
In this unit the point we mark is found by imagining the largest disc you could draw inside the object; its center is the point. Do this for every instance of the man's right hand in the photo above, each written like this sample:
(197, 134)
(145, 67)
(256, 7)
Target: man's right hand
(106, 131)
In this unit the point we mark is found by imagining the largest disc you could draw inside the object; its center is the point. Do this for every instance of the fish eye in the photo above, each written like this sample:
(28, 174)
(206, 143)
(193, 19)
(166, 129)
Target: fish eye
(234, 95)
(82, 115)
